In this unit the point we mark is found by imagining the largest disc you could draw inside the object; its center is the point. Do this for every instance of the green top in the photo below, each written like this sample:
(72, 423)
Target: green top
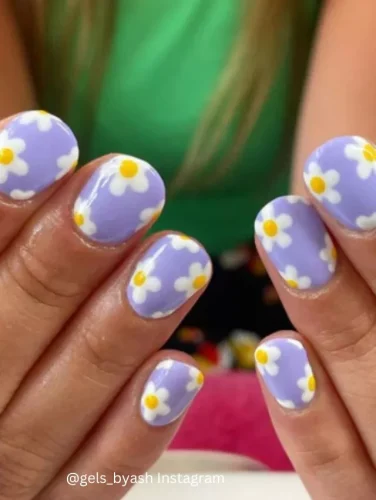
(166, 60)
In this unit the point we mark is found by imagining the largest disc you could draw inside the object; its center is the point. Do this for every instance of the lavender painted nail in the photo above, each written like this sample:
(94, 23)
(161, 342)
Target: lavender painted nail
(284, 366)
(341, 175)
(297, 242)
(169, 391)
(173, 269)
(36, 149)
(121, 197)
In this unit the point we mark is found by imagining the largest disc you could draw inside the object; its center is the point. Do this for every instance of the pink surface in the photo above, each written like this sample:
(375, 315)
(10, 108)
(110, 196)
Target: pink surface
(230, 415)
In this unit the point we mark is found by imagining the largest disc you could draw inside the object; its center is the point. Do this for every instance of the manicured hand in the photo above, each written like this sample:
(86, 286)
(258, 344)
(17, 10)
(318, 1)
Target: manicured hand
(84, 306)
(320, 383)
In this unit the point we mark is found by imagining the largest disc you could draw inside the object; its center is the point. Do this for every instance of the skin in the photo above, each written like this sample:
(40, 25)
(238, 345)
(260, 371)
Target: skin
(71, 377)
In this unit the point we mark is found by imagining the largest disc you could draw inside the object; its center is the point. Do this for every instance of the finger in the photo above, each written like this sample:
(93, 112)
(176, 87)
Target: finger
(335, 312)
(134, 432)
(340, 177)
(313, 425)
(36, 151)
(56, 262)
(69, 389)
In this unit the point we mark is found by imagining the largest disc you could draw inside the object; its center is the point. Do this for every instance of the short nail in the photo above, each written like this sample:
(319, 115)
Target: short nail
(36, 149)
(341, 175)
(285, 369)
(296, 242)
(169, 391)
(173, 269)
(122, 196)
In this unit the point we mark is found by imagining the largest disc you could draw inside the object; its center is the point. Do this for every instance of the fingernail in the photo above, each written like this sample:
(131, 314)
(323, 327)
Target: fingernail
(297, 242)
(122, 196)
(341, 175)
(168, 392)
(36, 149)
(284, 366)
(173, 269)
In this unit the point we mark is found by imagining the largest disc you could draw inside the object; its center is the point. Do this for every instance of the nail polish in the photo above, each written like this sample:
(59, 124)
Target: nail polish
(122, 196)
(341, 175)
(173, 269)
(286, 371)
(296, 242)
(36, 150)
(169, 391)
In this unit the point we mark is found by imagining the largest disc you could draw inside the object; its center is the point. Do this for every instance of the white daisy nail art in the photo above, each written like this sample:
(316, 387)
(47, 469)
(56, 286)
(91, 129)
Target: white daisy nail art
(197, 379)
(329, 254)
(154, 402)
(81, 216)
(266, 357)
(67, 162)
(364, 153)
(18, 194)
(321, 184)
(180, 241)
(307, 384)
(10, 161)
(271, 229)
(199, 276)
(169, 392)
(291, 277)
(142, 281)
(150, 214)
(129, 172)
(42, 119)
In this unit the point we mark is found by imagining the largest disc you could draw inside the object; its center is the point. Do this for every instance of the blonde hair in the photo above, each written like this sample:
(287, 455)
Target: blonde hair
(243, 87)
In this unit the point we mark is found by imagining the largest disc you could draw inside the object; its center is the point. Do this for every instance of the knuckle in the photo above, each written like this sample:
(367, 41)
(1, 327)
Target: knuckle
(44, 283)
(24, 463)
(104, 357)
(324, 460)
(351, 339)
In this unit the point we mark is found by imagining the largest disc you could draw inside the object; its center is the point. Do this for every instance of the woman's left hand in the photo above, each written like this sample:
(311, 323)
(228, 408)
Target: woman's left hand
(321, 382)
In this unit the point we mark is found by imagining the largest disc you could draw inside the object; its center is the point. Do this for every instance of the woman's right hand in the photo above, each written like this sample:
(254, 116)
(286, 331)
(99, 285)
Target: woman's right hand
(84, 306)
(320, 382)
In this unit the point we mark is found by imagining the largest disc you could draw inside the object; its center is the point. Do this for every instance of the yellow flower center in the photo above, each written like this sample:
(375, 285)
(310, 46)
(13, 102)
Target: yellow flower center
(79, 218)
(270, 228)
(317, 184)
(262, 356)
(199, 281)
(292, 283)
(128, 169)
(139, 278)
(369, 152)
(6, 156)
(43, 112)
(311, 383)
(184, 237)
(200, 378)
(74, 164)
(333, 253)
(156, 215)
(151, 401)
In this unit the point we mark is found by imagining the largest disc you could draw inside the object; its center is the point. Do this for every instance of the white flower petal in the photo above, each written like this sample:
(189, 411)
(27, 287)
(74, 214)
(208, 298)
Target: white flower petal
(182, 284)
(284, 221)
(118, 185)
(272, 368)
(18, 167)
(284, 240)
(286, 403)
(153, 284)
(18, 194)
(139, 295)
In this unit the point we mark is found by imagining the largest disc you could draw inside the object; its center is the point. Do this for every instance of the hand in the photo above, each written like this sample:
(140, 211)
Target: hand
(84, 306)
(321, 382)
